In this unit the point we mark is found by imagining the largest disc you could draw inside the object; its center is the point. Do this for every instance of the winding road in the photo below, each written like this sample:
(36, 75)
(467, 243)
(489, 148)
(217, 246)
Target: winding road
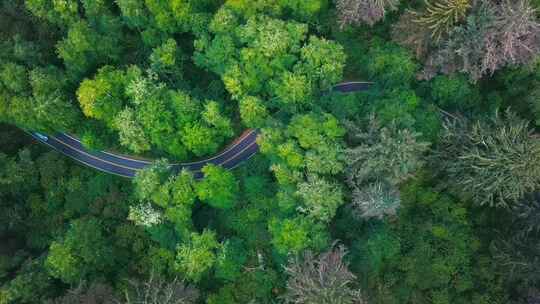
(236, 153)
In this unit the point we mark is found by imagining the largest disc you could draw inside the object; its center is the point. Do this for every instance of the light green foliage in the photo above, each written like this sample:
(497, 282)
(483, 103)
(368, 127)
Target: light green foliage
(197, 256)
(213, 117)
(61, 12)
(219, 187)
(63, 264)
(101, 98)
(303, 10)
(169, 17)
(14, 78)
(146, 114)
(148, 181)
(320, 197)
(323, 62)
(390, 65)
(130, 132)
(167, 59)
(253, 112)
(320, 136)
(494, 161)
(144, 215)
(297, 234)
(182, 189)
(270, 59)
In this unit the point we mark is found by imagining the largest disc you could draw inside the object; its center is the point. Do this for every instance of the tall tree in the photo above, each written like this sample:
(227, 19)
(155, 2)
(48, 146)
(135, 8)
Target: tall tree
(324, 279)
(364, 11)
(495, 161)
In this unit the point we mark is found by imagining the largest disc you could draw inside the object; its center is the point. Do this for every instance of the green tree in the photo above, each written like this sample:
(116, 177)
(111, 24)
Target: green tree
(219, 187)
(230, 260)
(297, 234)
(130, 132)
(495, 161)
(85, 48)
(102, 97)
(320, 197)
(430, 252)
(167, 60)
(269, 59)
(148, 181)
(253, 112)
(60, 12)
(197, 256)
(84, 252)
(384, 153)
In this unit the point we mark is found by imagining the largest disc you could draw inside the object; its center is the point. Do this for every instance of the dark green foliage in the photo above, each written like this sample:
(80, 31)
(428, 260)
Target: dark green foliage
(495, 160)
(96, 293)
(179, 78)
(84, 252)
(454, 93)
(430, 255)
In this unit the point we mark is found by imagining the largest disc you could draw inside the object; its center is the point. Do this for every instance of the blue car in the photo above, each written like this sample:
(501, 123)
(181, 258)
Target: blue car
(41, 136)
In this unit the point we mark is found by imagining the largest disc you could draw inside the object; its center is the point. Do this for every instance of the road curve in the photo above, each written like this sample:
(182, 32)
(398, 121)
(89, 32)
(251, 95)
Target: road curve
(236, 153)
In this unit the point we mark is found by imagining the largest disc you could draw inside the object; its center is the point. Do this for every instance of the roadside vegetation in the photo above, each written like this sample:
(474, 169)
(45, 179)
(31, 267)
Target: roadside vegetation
(423, 189)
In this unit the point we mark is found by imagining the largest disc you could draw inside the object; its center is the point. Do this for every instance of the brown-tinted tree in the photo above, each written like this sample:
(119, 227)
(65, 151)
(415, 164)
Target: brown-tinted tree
(158, 291)
(324, 279)
(96, 293)
(493, 36)
(363, 11)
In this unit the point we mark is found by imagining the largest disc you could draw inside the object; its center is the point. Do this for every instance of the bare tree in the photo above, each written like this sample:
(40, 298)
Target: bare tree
(159, 291)
(96, 293)
(363, 11)
(412, 35)
(325, 279)
(517, 33)
(493, 36)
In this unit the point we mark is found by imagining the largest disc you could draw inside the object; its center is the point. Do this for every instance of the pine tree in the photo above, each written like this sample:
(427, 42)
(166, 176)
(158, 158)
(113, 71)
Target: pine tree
(442, 15)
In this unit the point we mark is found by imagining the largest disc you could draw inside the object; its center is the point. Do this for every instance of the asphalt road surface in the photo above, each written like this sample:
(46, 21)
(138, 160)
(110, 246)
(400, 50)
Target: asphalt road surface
(236, 153)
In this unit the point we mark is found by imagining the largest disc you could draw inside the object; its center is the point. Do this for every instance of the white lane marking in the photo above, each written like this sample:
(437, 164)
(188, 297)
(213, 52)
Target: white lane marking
(95, 157)
(238, 141)
(84, 162)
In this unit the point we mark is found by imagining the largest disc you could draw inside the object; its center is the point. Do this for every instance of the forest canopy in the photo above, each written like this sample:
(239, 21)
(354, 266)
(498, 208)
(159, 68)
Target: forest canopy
(424, 187)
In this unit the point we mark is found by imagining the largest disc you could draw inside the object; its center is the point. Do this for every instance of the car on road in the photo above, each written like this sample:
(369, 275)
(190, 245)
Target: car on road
(41, 136)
